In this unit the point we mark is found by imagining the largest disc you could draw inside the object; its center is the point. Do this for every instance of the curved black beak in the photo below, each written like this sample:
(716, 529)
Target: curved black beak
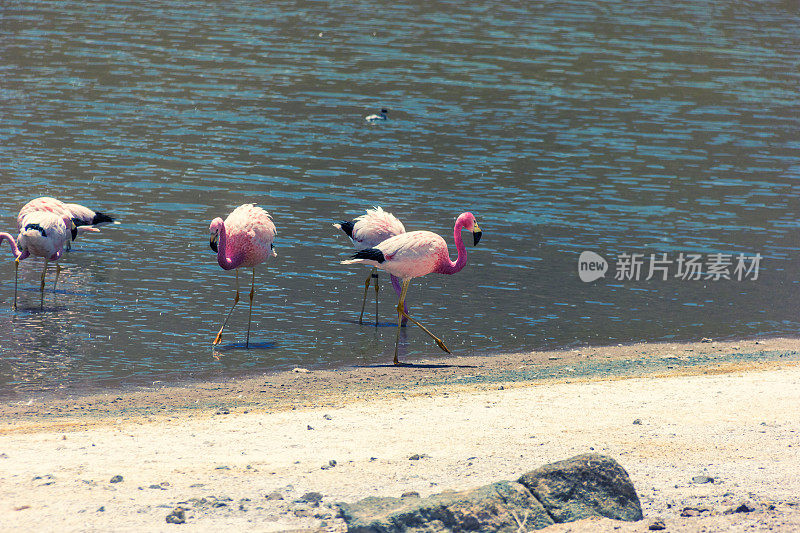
(213, 242)
(476, 235)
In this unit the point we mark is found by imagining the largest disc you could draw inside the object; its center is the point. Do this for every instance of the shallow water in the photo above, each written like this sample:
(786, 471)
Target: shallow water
(616, 127)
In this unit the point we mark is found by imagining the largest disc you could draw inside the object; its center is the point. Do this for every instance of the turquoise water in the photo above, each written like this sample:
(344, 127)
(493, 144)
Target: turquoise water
(615, 127)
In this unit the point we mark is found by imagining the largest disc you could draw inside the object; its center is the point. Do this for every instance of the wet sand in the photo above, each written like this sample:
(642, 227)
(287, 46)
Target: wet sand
(700, 427)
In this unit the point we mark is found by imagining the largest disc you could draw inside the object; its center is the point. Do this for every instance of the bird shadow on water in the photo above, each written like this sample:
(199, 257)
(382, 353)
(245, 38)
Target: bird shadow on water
(371, 323)
(50, 292)
(241, 346)
(413, 365)
(35, 309)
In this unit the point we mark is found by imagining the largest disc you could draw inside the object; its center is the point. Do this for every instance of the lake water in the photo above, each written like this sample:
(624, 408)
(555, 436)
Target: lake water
(613, 127)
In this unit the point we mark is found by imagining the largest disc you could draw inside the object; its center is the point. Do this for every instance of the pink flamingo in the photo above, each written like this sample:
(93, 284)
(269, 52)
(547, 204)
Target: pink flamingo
(244, 239)
(42, 234)
(367, 231)
(414, 254)
(85, 219)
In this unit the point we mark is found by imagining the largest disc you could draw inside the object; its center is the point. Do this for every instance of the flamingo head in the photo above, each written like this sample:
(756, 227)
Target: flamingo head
(32, 238)
(73, 227)
(467, 221)
(217, 225)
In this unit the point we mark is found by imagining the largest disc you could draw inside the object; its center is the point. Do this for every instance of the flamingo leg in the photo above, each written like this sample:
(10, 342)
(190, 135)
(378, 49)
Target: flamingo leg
(374, 275)
(401, 312)
(41, 287)
(58, 272)
(235, 301)
(250, 315)
(364, 302)
(16, 278)
(396, 285)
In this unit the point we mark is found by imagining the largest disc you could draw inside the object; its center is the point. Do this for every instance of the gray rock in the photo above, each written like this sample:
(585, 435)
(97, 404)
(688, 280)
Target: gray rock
(116, 479)
(581, 487)
(744, 507)
(693, 511)
(584, 486)
(501, 507)
(177, 516)
(703, 479)
(274, 495)
(657, 525)
(311, 497)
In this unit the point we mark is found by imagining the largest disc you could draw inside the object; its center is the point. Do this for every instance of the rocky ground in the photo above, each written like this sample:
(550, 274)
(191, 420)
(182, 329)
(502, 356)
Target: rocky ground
(707, 431)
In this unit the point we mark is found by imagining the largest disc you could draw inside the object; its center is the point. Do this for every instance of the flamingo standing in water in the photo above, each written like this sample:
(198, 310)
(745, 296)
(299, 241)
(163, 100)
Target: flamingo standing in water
(367, 231)
(84, 219)
(414, 254)
(244, 239)
(42, 234)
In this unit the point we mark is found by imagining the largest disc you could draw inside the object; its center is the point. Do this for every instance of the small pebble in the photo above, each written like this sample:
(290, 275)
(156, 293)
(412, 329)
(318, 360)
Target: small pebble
(312, 497)
(116, 479)
(658, 525)
(744, 507)
(177, 516)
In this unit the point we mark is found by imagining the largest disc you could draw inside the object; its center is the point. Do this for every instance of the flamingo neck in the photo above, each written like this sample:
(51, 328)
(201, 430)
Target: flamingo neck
(225, 261)
(12, 242)
(446, 266)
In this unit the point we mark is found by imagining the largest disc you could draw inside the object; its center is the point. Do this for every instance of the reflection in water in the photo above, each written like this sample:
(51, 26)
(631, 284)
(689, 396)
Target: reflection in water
(613, 127)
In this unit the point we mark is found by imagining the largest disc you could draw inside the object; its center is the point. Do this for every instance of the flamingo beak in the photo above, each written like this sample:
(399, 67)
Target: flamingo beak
(213, 243)
(476, 234)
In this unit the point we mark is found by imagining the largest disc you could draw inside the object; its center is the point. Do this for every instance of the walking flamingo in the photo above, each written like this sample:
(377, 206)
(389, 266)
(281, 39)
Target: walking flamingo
(244, 239)
(42, 234)
(367, 231)
(414, 254)
(84, 219)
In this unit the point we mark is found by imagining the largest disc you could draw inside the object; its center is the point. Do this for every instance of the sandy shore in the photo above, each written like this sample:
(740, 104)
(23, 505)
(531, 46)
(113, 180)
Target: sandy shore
(242, 454)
